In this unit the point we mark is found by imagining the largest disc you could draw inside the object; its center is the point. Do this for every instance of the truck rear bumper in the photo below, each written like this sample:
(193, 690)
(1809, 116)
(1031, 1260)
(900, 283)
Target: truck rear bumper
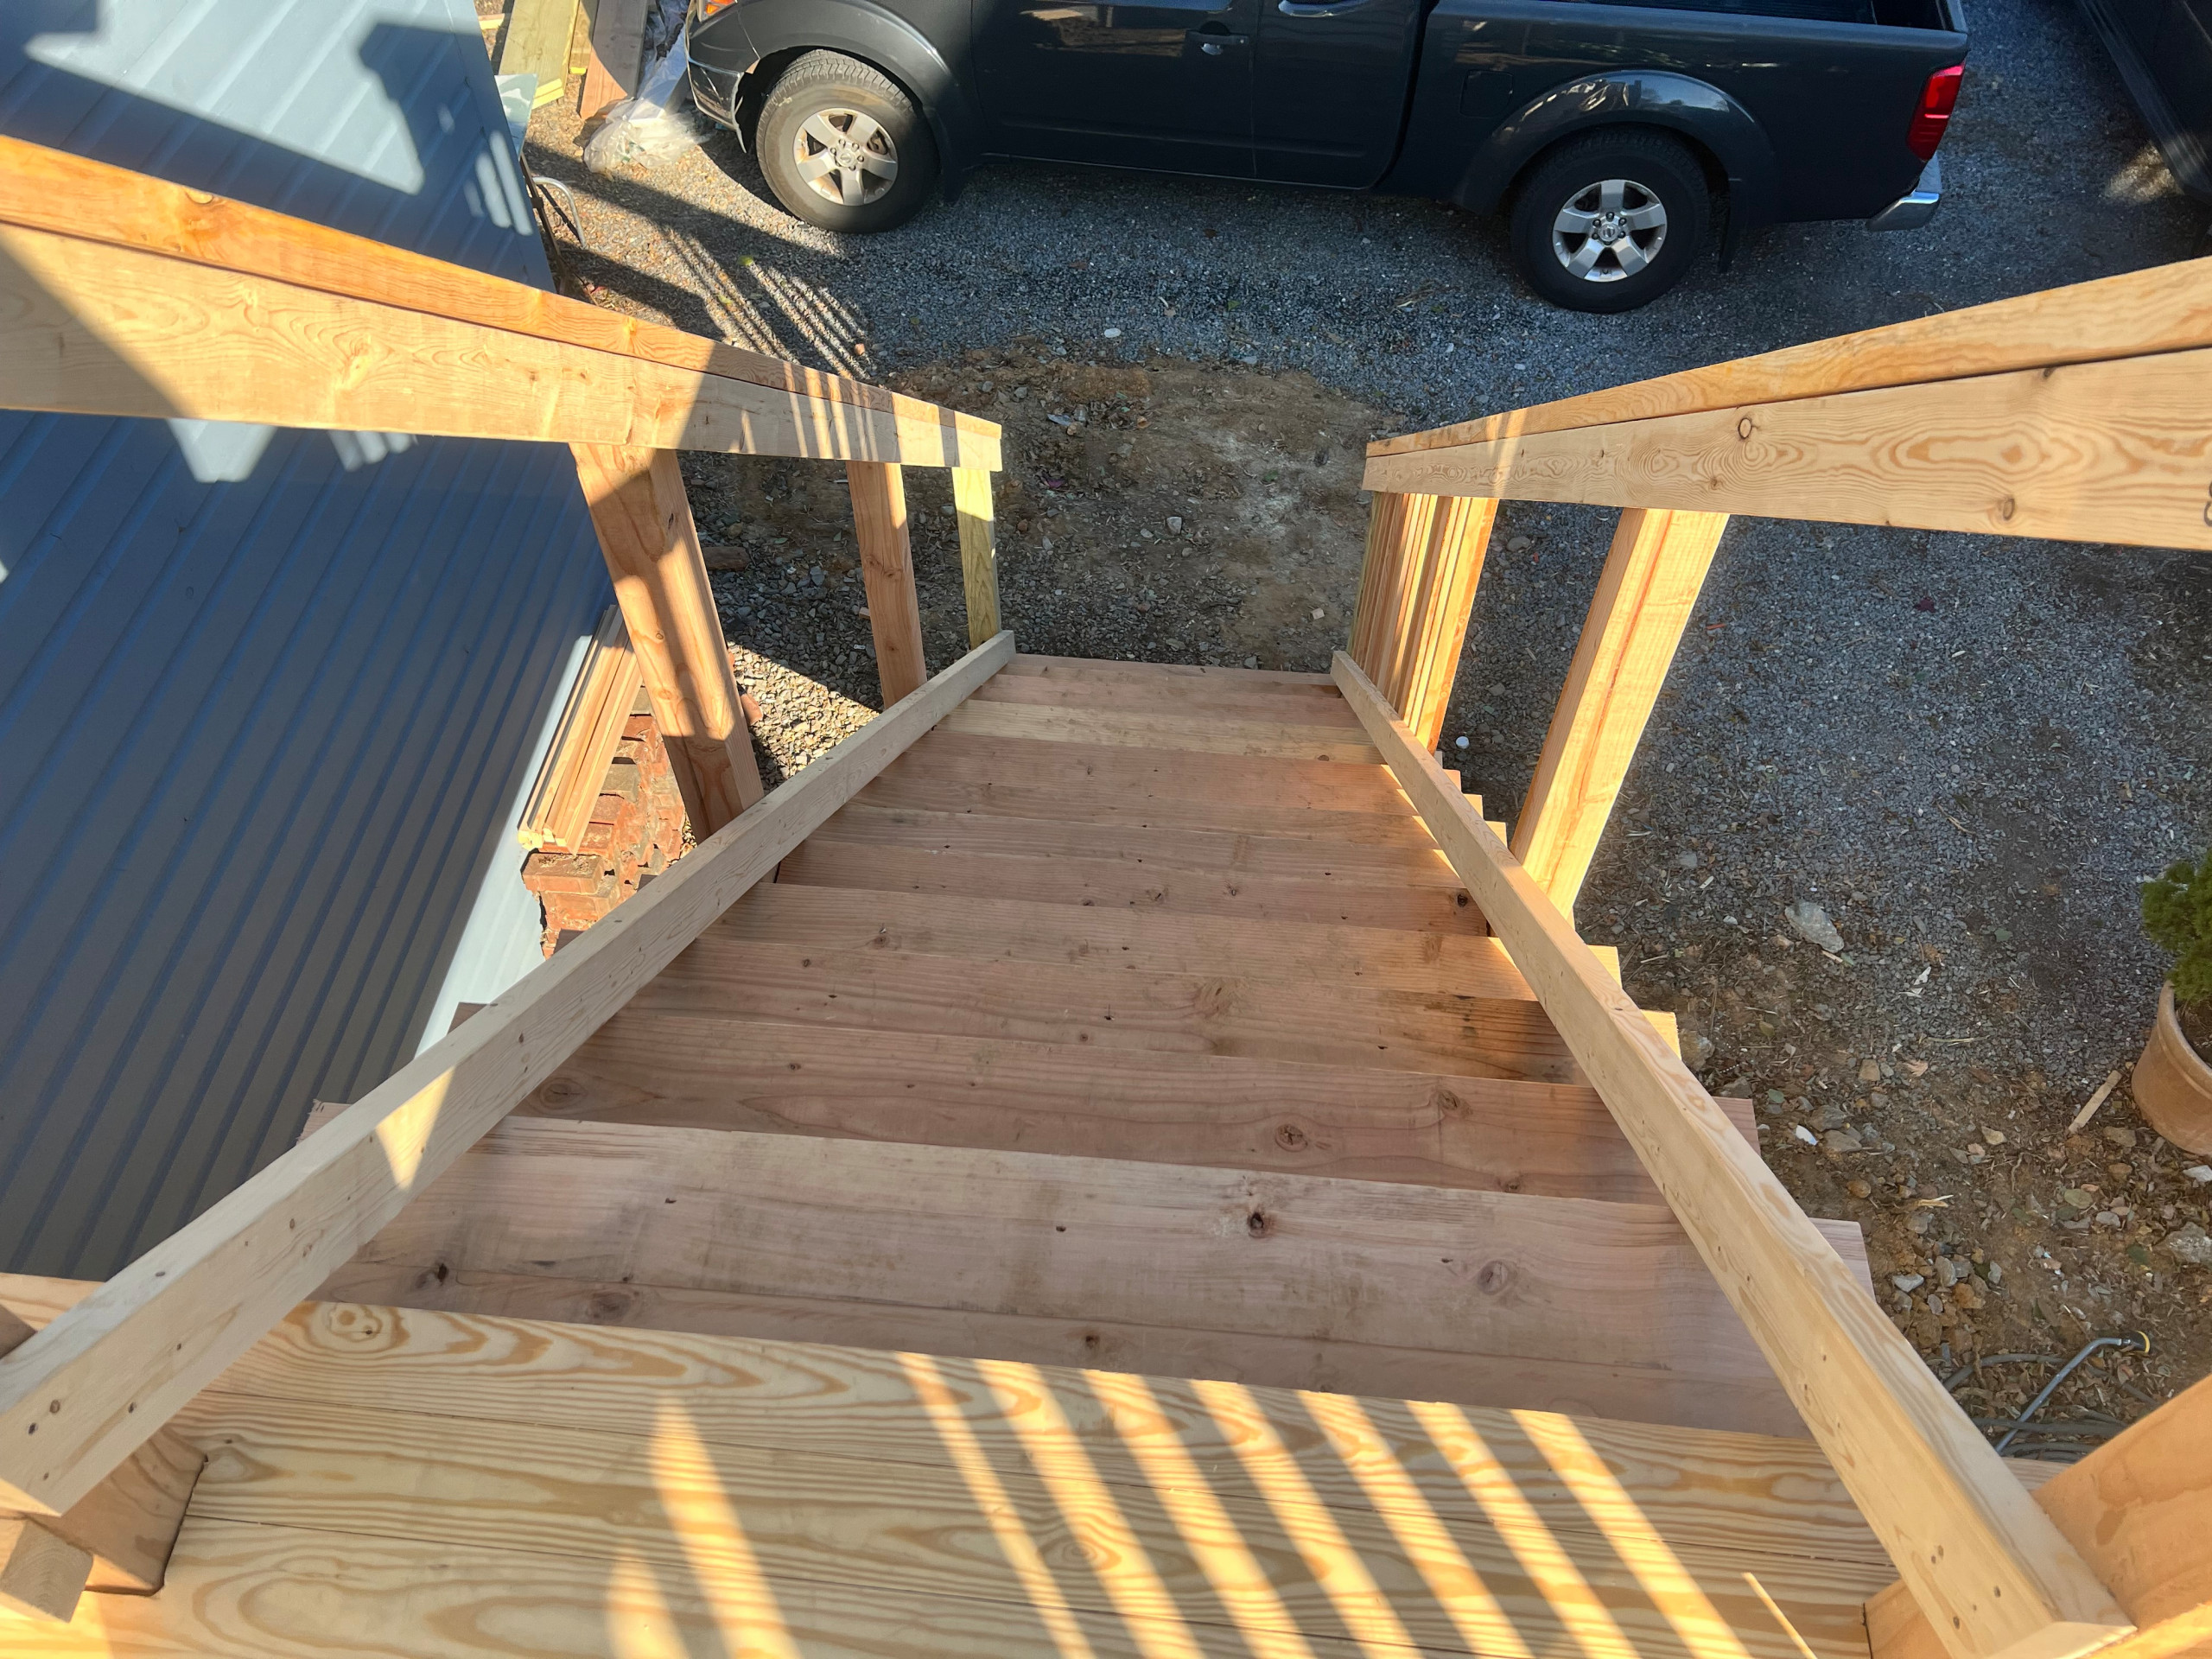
(1910, 212)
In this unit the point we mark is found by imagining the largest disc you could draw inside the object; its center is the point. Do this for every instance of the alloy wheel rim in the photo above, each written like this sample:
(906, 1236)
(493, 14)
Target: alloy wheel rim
(1609, 230)
(846, 156)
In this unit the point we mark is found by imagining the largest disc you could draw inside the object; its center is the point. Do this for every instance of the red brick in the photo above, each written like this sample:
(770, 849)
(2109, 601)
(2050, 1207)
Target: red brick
(638, 726)
(575, 872)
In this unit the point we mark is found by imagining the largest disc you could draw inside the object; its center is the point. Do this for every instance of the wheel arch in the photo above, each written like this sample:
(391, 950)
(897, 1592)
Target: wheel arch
(1723, 135)
(780, 32)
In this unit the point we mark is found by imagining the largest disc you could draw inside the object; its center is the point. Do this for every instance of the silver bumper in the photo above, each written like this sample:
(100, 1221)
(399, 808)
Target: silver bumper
(1909, 212)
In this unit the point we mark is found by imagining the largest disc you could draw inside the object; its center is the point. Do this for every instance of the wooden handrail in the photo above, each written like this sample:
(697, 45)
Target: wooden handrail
(2113, 451)
(50, 190)
(1993, 1572)
(81, 1396)
(2164, 309)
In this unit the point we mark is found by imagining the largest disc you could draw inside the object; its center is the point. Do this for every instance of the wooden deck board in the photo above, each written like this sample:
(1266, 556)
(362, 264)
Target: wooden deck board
(1228, 1554)
(434, 1485)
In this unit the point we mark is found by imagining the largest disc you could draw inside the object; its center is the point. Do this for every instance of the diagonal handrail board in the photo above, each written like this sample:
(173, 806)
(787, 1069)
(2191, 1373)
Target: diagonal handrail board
(78, 1398)
(2164, 309)
(2115, 451)
(89, 328)
(1995, 1575)
(52, 190)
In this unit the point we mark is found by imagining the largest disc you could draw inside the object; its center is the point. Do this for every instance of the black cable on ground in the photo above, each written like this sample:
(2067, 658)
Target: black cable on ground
(2138, 1344)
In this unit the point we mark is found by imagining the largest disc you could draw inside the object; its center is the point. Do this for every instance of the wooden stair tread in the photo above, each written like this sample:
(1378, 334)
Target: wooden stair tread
(1093, 882)
(1183, 697)
(1086, 802)
(1188, 734)
(1204, 851)
(1135, 776)
(1137, 941)
(1106, 669)
(1200, 1254)
(688, 1070)
(1112, 1010)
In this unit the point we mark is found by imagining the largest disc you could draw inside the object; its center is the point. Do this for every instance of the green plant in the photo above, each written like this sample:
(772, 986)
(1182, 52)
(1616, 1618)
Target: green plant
(2178, 915)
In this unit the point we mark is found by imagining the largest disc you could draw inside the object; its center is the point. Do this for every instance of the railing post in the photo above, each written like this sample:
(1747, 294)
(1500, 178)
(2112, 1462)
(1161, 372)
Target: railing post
(979, 558)
(651, 548)
(1416, 594)
(887, 571)
(1645, 597)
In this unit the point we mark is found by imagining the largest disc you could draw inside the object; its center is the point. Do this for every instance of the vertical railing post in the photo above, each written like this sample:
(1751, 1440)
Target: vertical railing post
(651, 548)
(1645, 597)
(979, 558)
(1416, 594)
(887, 572)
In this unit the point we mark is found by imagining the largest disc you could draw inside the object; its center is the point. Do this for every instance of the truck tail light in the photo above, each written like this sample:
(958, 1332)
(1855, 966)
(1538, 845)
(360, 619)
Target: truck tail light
(709, 8)
(1937, 99)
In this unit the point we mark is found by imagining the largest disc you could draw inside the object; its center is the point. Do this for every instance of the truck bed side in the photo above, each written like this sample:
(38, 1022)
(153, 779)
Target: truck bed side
(1804, 116)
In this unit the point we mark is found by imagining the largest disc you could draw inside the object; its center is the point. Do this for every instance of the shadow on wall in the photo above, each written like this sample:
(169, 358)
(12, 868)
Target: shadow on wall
(268, 699)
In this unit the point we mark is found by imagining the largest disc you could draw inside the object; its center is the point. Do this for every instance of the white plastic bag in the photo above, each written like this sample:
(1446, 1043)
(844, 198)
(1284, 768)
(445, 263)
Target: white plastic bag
(657, 125)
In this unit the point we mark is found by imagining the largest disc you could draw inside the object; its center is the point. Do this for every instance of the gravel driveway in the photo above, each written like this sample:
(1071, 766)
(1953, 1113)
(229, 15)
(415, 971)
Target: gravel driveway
(1967, 750)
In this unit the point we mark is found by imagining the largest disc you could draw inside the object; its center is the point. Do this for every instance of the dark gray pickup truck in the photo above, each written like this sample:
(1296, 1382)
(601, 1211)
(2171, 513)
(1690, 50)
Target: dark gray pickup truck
(1615, 136)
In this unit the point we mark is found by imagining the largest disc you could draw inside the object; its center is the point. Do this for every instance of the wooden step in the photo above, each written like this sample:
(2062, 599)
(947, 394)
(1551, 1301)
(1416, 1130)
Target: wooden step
(1172, 734)
(1109, 884)
(690, 1070)
(1298, 858)
(1105, 670)
(1083, 801)
(1297, 1281)
(1138, 942)
(1301, 706)
(1140, 776)
(1108, 1010)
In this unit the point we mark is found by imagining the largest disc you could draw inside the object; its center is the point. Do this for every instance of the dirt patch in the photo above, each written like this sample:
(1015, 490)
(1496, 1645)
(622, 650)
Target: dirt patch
(1162, 511)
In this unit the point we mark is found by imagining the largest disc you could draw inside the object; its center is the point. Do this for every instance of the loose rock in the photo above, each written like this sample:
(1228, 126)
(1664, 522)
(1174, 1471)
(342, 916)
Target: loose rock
(1813, 926)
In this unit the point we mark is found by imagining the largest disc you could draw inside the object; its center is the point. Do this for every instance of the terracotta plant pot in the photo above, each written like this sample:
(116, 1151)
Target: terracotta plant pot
(2173, 1084)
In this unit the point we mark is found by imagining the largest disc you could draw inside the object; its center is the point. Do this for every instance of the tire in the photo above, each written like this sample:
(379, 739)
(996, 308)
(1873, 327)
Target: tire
(809, 121)
(1644, 190)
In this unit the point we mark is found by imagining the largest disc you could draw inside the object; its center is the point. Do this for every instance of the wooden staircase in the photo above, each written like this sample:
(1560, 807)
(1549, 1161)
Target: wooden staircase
(1184, 1026)
(1131, 1018)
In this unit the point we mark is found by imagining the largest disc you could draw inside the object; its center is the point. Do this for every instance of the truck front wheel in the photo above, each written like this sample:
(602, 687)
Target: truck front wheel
(843, 147)
(1611, 221)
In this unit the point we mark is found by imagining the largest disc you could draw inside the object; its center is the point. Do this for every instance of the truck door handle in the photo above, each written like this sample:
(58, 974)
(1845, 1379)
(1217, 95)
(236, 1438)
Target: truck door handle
(1213, 37)
(1317, 7)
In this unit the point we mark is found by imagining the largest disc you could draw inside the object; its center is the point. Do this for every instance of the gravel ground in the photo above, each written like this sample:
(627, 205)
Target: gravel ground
(1967, 750)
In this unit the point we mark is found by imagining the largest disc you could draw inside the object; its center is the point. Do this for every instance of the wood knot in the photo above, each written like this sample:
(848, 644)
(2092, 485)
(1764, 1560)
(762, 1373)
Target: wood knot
(1744, 428)
(1290, 1138)
(1494, 1277)
(1259, 1225)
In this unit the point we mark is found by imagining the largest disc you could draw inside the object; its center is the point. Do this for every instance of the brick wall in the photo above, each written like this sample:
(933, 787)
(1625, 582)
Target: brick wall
(636, 830)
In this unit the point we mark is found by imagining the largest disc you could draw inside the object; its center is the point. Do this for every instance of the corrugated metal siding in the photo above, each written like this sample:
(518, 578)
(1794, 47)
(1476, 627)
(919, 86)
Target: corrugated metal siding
(263, 739)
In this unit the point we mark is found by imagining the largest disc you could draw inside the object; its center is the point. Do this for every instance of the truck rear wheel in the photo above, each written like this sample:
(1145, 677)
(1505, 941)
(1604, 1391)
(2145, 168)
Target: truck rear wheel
(1611, 221)
(843, 147)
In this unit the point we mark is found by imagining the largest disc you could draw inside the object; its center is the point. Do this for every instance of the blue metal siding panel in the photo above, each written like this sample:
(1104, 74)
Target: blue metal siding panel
(264, 737)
